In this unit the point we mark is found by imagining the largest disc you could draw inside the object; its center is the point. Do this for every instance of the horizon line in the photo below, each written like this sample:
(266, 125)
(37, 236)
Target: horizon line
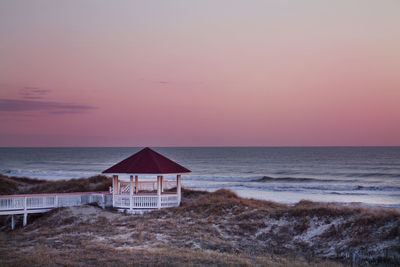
(202, 146)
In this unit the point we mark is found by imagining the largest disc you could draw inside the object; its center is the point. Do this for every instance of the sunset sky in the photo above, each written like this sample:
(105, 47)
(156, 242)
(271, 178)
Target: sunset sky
(199, 73)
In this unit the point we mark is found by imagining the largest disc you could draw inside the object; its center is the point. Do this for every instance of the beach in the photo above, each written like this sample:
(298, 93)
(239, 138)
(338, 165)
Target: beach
(217, 228)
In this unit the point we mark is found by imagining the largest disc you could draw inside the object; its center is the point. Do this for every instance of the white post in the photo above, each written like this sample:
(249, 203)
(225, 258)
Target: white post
(113, 190)
(118, 186)
(131, 192)
(159, 192)
(115, 187)
(136, 184)
(56, 201)
(12, 222)
(25, 212)
(178, 188)
(25, 219)
(162, 183)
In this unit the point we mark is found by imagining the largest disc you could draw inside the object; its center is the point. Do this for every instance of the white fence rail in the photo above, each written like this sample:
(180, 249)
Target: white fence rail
(25, 204)
(146, 202)
(145, 186)
(169, 201)
(31, 203)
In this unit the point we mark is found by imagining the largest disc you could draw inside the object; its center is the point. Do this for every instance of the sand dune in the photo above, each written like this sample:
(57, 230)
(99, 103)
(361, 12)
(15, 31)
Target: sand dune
(209, 228)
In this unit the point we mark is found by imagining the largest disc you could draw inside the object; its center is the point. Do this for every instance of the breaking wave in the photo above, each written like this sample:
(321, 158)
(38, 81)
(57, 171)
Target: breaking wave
(374, 174)
(267, 179)
(377, 188)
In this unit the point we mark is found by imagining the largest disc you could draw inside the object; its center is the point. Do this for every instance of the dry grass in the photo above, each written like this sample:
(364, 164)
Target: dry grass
(107, 255)
(23, 185)
(217, 228)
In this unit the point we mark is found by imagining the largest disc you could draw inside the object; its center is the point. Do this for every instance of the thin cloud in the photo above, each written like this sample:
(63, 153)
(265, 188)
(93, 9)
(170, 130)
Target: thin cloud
(179, 82)
(15, 105)
(33, 92)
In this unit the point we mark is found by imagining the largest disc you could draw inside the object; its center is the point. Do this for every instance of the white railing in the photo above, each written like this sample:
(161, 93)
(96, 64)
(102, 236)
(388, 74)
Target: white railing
(99, 199)
(169, 201)
(145, 186)
(145, 202)
(19, 204)
(70, 200)
(12, 203)
(39, 202)
(123, 201)
(25, 204)
(16, 204)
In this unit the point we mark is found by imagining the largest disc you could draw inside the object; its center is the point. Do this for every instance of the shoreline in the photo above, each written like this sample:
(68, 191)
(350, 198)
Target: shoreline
(287, 175)
(102, 182)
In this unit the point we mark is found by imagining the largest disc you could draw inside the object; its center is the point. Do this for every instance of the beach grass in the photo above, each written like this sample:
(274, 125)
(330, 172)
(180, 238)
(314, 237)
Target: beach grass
(23, 185)
(216, 228)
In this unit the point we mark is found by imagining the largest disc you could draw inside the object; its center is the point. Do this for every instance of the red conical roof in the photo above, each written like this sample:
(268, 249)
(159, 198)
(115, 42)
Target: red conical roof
(147, 161)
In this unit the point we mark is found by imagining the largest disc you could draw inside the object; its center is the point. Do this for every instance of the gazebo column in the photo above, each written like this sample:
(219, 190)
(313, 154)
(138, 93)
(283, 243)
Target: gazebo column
(118, 186)
(131, 192)
(159, 192)
(178, 188)
(115, 187)
(136, 184)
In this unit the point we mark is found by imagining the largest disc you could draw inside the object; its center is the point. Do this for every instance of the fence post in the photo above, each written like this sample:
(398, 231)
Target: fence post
(131, 192)
(12, 222)
(136, 184)
(25, 211)
(179, 188)
(159, 192)
(113, 190)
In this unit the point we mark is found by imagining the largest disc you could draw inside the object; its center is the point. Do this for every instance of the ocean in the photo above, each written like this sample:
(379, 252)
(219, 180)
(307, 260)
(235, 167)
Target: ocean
(367, 175)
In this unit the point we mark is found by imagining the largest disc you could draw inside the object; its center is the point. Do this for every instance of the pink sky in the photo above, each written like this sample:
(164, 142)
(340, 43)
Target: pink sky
(198, 73)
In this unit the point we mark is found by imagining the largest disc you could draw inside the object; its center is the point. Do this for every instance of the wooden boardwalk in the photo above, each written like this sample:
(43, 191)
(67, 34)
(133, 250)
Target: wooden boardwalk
(37, 203)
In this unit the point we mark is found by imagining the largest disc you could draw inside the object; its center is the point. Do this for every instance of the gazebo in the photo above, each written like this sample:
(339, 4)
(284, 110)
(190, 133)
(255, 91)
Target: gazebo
(135, 196)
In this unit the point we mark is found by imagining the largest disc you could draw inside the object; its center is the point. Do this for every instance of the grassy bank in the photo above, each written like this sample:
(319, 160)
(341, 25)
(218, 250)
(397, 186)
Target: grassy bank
(209, 228)
(23, 185)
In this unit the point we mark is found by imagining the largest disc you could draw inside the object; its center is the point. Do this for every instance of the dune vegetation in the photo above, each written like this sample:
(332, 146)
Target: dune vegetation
(217, 228)
(24, 185)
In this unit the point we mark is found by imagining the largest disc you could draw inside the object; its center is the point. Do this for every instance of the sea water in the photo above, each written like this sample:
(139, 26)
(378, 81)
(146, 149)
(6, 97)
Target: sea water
(369, 175)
